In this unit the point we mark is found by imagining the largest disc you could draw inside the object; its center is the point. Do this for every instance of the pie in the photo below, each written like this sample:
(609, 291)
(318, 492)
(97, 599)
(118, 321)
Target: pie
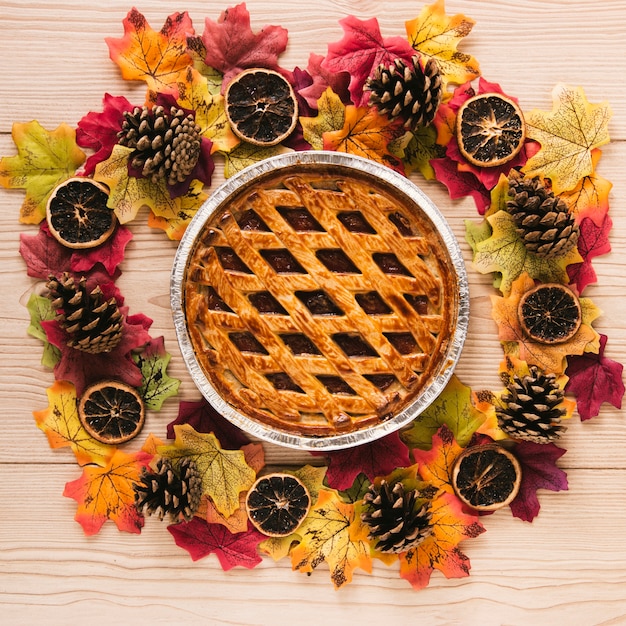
(319, 301)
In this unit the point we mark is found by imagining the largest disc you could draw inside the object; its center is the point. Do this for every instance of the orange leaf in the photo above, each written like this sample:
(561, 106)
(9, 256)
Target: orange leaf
(62, 426)
(106, 493)
(158, 58)
(440, 550)
(236, 523)
(435, 465)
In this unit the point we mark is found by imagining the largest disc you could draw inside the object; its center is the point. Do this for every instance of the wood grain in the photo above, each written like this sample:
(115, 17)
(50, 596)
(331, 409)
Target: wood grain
(569, 566)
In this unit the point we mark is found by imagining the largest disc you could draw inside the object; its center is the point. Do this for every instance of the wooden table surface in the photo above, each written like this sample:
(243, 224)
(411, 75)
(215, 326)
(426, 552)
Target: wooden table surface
(567, 567)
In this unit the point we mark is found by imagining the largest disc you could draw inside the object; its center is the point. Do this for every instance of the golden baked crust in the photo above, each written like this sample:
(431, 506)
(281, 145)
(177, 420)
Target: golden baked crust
(319, 303)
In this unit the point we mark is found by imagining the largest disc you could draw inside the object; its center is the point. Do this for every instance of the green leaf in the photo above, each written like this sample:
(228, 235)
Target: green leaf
(357, 491)
(157, 386)
(40, 309)
(331, 113)
(476, 233)
(246, 154)
(416, 149)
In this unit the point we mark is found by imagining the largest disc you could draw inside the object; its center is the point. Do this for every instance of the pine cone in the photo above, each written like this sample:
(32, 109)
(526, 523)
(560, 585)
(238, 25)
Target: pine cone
(169, 490)
(409, 92)
(166, 144)
(543, 221)
(398, 521)
(94, 324)
(531, 407)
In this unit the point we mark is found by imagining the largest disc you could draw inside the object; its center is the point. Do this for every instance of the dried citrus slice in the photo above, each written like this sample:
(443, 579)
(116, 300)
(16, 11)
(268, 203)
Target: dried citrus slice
(550, 313)
(261, 107)
(111, 412)
(490, 129)
(78, 215)
(486, 477)
(277, 504)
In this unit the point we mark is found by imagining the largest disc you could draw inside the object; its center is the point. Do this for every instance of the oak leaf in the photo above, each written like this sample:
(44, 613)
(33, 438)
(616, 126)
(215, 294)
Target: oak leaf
(40, 310)
(44, 159)
(224, 473)
(159, 58)
(332, 533)
(435, 465)
(106, 493)
(437, 35)
(156, 385)
(568, 134)
(331, 113)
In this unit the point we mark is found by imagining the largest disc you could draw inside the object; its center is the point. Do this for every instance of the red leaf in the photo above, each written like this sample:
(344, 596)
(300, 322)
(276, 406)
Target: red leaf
(201, 539)
(110, 253)
(539, 471)
(231, 46)
(593, 242)
(594, 379)
(361, 51)
(461, 184)
(378, 458)
(43, 254)
(323, 78)
(98, 131)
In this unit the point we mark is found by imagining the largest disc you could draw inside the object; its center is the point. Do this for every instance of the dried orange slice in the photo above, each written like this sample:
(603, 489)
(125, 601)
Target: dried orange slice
(111, 412)
(490, 129)
(261, 107)
(550, 313)
(277, 503)
(78, 215)
(486, 477)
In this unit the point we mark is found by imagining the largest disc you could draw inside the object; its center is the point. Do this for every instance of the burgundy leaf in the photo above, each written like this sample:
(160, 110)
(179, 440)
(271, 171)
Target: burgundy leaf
(43, 254)
(461, 184)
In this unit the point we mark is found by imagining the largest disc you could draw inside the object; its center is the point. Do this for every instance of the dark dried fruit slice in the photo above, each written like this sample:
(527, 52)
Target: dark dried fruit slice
(486, 477)
(111, 412)
(490, 129)
(277, 504)
(261, 107)
(78, 215)
(550, 313)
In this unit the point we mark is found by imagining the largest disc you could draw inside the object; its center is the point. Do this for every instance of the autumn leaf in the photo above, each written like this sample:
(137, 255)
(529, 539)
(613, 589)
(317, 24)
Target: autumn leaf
(246, 154)
(437, 35)
(224, 473)
(593, 380)
(40, 310)
(549, 357)
(435, 465)
(453, 407)
(231, 46)
(361, 51)
(156, 385)
(330, 116)
(461, 184)
(235, 523)
(323, 79)
(106, 493)
(110, 254)
(568, 134)
(333, 534)
(158, 58)
(44, 159)
(417, 149)
(505, 252)
(200, 539)
(451, 525)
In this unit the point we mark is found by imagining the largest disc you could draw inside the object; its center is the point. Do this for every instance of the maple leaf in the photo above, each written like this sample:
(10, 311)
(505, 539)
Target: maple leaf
(505, 252)
(332, 533)
(158, 58)
(246, 154)
(453, 407)
(44, 159)
(235, 523)
(461, 184)
(372, 459)
(323, 79)
(437, 35)
(592, 242)
(200, 539)
(539, 471)
(330, 117)
(62, 426)
(43, 254)
(361, 51)
(224, 473)
(110, 254)
(231, 45)
(203, 418)
(106, 493)
(366, 133)
(417, 149)
(40, 310)
(98, 131)
(451, 525)
(593, 380)
(549, 357)
(568, 134)
(435, 465)
(156, 385)
(197, 51)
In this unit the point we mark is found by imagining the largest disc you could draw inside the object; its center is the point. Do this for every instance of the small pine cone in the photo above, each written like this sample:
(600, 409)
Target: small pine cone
(411, 92)
(166, 144)
(170, 490)
(531, 407)
(397, 520)
(543, 220)
(94, 324)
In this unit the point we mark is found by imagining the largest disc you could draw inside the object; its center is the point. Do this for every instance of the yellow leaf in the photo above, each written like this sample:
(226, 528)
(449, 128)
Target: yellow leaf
(568, 134)
(330, 116)
(246, 154)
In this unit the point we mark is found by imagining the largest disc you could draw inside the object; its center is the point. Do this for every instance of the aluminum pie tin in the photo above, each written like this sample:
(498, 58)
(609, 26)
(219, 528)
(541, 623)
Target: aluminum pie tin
(344, 165)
